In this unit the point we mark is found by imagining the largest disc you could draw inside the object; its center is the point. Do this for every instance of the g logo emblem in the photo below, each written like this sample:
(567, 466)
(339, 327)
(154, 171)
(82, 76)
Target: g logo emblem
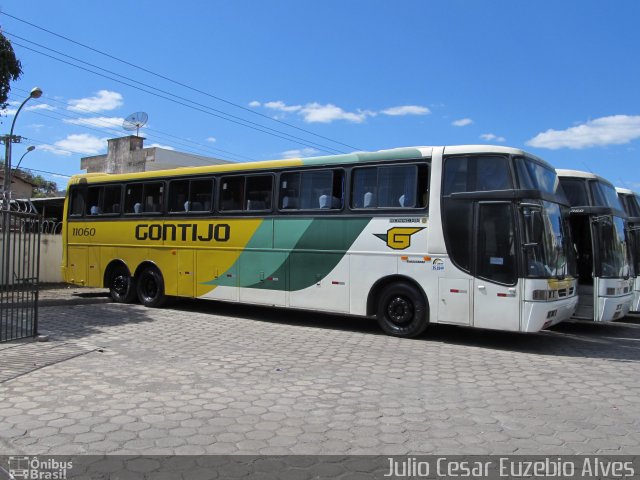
(398, 238)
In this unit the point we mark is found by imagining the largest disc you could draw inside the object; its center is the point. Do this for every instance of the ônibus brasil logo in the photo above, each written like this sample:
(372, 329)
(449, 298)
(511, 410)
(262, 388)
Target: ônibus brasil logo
(398, 238)
(34, 468)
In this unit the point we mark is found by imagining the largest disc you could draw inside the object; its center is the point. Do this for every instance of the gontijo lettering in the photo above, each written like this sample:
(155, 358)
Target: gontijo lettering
(219, 232)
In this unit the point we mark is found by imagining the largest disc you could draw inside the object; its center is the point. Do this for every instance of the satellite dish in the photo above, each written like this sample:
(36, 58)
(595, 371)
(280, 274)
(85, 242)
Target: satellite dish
(135, 121)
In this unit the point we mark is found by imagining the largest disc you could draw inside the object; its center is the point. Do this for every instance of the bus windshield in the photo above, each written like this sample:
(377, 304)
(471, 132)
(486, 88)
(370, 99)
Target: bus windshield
(535, 176)
(546, 241)
(611, 244)
(605, 195)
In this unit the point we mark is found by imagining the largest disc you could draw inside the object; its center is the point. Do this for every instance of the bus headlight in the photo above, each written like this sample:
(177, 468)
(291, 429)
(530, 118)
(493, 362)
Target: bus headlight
(541, 295)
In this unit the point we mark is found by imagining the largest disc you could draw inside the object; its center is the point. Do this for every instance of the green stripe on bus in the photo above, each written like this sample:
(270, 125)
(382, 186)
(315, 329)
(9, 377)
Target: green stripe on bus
(316, 253)
(397, 154)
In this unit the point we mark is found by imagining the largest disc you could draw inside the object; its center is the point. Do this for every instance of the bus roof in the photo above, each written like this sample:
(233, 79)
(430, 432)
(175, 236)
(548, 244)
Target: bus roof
(405, 153)
(580, 174)
(625, 191)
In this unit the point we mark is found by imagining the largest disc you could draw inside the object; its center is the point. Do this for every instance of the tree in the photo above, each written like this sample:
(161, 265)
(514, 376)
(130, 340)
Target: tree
(10, 69)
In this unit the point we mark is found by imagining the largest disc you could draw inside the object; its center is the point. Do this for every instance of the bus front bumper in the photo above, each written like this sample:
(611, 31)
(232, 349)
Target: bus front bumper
(614, 308)
(537, 316)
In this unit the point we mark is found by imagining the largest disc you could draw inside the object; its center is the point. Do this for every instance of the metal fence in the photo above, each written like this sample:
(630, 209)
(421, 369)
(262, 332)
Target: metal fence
(20, 228)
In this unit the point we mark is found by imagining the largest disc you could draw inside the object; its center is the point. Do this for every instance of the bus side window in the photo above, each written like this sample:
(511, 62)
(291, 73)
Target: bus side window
(93, 200)
(133, 198)
(231, 193)
(363, 188)
(200, 194)
(390, 186)
(259, 190)
(76, 209)
(290, 191)
(153, 197)
(178, 196)
(111, 199)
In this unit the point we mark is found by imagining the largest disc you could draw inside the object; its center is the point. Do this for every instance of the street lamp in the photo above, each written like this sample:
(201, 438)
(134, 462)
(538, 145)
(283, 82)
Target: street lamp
(30, 148)
(9, 139)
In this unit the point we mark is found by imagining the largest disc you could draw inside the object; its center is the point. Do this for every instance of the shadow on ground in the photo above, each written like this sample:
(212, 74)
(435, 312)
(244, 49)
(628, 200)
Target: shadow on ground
(617, 340)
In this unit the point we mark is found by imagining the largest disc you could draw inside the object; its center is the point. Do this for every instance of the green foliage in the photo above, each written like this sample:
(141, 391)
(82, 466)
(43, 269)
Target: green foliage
(10, 69)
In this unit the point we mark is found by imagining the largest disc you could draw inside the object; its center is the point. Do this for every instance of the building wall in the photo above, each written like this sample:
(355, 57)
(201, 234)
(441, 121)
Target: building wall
(127, 155)
(19, 188)
(50, 258)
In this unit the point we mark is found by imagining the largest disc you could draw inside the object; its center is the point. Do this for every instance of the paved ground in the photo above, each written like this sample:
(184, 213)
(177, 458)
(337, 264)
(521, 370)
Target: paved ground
(205, 377)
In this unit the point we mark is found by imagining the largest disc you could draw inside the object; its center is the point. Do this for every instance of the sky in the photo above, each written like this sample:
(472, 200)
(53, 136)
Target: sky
(262, 79)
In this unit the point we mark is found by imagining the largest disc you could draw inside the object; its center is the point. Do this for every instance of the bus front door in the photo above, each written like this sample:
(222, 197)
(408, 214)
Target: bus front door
(496, 295)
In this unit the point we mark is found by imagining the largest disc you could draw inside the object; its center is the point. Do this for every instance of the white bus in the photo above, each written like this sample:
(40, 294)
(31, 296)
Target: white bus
(631, 204)
(600, 240)
(462, 235)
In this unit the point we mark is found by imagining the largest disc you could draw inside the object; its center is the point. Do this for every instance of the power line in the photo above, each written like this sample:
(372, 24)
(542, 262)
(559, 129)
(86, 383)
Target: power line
(219, 113)
(310, 144)
(106, 129)
(44, 171)
(175, 81)
(87, 115)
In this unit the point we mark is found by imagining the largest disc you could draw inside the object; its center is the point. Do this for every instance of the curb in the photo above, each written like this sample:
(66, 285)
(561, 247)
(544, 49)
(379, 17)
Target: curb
(59, 302)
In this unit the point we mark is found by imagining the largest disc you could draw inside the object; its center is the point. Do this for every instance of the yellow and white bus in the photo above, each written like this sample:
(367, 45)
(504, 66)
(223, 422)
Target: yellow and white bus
(631, 203)
(463, 235)
(601, 243)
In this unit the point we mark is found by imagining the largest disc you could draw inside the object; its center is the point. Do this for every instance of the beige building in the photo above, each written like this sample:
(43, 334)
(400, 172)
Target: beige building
(20, 188)
(128, 155)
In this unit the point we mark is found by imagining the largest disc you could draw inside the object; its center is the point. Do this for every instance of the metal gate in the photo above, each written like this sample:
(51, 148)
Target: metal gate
(19, 269)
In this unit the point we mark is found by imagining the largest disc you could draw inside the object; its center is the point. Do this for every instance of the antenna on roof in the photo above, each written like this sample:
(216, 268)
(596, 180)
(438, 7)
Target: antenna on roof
(135, 121)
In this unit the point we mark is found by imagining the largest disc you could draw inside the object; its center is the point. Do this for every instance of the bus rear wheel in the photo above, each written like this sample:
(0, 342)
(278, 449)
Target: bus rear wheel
(402, 311)
(122, 288)
(150, 288)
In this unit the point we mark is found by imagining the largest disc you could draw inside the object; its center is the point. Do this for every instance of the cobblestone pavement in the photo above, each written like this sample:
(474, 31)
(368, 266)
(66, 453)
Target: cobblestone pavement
(206, 377)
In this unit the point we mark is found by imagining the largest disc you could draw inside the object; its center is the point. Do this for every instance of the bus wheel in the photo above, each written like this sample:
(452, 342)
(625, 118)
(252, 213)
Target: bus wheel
(122, 288)
(150, 287)
(402, 311)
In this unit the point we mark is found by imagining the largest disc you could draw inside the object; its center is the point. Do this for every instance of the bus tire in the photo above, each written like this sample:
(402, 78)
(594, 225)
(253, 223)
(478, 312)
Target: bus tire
(402, 311)
(122, 287)
(150, 288)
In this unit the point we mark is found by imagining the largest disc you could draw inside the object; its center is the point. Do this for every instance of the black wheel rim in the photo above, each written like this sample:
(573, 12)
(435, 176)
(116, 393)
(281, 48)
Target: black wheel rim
(400, 311)
(149, 287)
(120, 284)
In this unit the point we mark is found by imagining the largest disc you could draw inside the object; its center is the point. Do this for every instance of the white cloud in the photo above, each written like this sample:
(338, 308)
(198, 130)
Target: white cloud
(282, 107)
(304, 152)
(406, 110)
(99, 122)
(103, 101)
(39, 106)
(157, 145)
(317, 113)
(612, 130)
(490, 137)
(76, 144)
(10, 112)
(212, 139)
(463, 122)
(254, 104)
